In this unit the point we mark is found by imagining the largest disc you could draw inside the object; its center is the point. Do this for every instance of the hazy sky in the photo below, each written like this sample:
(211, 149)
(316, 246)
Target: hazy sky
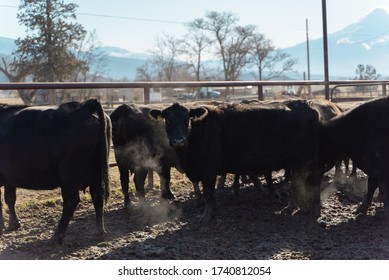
(134, 24)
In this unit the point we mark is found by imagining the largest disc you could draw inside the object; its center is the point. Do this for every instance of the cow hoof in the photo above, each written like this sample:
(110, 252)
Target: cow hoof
(144, 207)
(235, 192)
(206, 218)
(321, 222)
(13, 226)
(167, 195)
(127, 208)
(311, 212)
(198, 194)
(100, 235)
(57, 239)
(287, 210)
(362, 208)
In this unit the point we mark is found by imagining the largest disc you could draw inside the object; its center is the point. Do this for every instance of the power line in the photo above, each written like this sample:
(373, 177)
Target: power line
(131, 18)
(8, 6)
(117, 17)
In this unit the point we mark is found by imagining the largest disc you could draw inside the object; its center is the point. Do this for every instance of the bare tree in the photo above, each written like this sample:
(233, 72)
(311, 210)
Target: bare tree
(164, 57)
(145, 72)
(366, 72)
(267, 59)
(195, 45)
(232, 40)
(95, 60)
(93, 66)
(26, 95)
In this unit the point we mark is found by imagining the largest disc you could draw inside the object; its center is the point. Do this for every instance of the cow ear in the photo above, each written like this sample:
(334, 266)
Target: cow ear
(156, 114)
(198, 113)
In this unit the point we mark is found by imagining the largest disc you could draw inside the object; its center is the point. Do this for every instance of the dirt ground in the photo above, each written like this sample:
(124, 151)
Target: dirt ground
(246, 227)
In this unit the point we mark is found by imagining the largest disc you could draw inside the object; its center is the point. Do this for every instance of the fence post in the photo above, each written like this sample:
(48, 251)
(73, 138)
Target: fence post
(146, 95)
(384, 89)
(260, 92)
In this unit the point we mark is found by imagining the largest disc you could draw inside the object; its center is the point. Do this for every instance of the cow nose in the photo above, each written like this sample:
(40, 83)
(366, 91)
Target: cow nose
(179, 142)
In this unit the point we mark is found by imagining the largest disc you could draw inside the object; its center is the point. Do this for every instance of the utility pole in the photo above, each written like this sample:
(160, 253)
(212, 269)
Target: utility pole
(325, 50)
(308, 63)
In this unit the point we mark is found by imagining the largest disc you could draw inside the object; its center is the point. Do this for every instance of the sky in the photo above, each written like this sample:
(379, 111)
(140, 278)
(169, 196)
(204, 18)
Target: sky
(134, 24)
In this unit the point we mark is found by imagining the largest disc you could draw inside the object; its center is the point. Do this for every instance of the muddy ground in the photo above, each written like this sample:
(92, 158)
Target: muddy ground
(247, 227)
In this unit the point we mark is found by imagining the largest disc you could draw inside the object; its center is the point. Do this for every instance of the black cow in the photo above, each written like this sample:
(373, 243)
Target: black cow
(141, 145)
(46, 148)
(328, 110)
(245, 139)
(363, 135)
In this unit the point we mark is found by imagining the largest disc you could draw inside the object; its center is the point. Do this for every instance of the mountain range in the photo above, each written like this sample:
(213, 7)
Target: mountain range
(362, 42)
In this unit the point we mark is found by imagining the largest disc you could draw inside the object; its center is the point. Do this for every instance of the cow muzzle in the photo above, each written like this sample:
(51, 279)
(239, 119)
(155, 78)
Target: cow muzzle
(178, 143)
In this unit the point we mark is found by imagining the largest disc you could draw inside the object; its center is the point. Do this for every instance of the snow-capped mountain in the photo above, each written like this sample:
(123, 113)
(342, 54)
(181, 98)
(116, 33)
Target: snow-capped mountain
(121, 63)
(363, 42)
(119, 52)
(7, 45)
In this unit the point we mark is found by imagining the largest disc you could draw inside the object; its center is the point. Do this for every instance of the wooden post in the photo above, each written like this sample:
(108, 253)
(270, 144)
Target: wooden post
(325, 50)
(384, 89)
(146, 95)
(260, 92)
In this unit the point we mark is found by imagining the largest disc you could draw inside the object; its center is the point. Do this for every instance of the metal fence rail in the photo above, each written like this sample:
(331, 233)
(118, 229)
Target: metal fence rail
(190, 84)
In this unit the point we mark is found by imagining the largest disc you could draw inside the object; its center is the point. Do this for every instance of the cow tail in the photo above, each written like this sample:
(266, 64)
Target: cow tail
(104, 145)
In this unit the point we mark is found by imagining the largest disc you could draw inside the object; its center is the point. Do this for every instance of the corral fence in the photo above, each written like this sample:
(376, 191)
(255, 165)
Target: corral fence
(114, 93)
(164, 92)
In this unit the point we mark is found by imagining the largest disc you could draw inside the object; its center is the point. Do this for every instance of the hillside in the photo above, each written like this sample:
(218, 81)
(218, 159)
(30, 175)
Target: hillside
(363, 42)
(121, 64)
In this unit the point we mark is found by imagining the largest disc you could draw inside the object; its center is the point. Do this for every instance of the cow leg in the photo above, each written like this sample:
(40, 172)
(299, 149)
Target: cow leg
(209, 196)
(164, 177)
(305, 191)
(97, 194)
(71, 198)
(269, 181)
(306, 181)
(288, 175)
(372, 185)
(354, 171)
(124, 181)
(291, 175)
(196, 188)
(257, 183)
(346, 161)
(222, 181)
(139, 181)
(246, 178)
(338, 168)
(10, 200)
(313, 184)
(236, 185)
(2, 225)
(150, 181)
(384, 189)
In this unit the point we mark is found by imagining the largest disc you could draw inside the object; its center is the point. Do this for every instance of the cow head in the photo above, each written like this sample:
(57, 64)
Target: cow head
(177, 121)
